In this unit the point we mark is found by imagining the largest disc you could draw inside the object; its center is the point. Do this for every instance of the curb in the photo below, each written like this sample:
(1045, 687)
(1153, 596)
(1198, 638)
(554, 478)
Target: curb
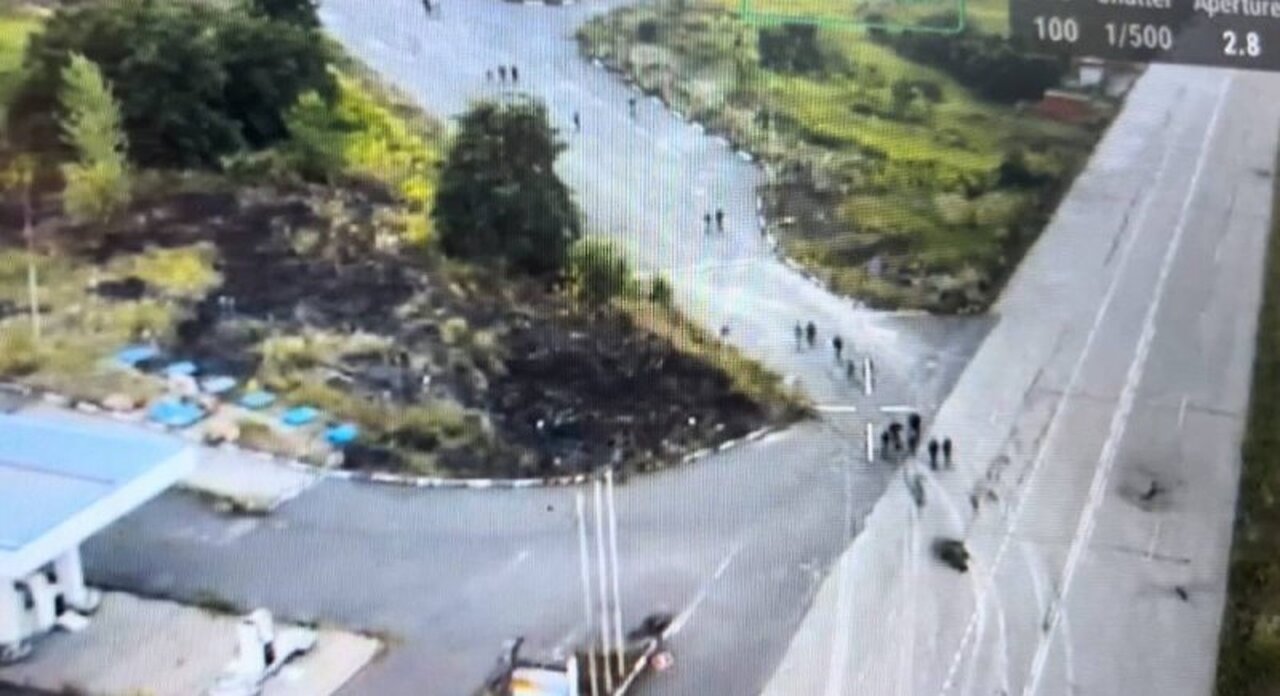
(324, 473)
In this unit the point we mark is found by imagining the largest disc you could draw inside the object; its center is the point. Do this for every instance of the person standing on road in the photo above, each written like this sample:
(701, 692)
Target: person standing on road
(488, 75)
(933, 454)
(884, 444)
(706, 223)
(426, 5)
(837, 344)
(720, 220)
(914, 421)
(502, 73)
(631, 106)
(811, 333)
(577, 123)
(913, 441)
(946, 451)
(515, 74)
(850, 373)
(799, 336)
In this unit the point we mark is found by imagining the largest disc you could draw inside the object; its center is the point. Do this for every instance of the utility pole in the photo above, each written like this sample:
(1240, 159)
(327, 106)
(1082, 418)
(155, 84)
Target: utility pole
(602, 564)
(613, 557)
(585, 567)
(20, 175)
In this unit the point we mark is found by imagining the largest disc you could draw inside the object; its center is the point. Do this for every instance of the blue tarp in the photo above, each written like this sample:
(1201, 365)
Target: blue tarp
(299, 415)
(175, 414)
(184, 368)
(342, 434)
(220, 384)
(257, 400)
(130, 356)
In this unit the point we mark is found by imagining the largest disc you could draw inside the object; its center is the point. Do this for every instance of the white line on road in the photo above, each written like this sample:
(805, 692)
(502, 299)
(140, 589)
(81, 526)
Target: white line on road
(866, 375)
(871, 443)
(836, 408)
(1051, 432)
(1120, 418)
(682, 619)
(900, 408)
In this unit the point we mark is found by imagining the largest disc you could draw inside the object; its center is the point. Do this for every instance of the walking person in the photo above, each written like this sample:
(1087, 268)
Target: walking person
(850, 372)
(426, 5)
(502, 73)
(488, 75)
(946, 451)
(515, 75)
(811, 333)
(837, 344)
(884, 444)
(933, 454)
(913, 441)
(706, 223)
(631, 106)
(720, 220)
(914, 422)
(799, 336)
(577, 123)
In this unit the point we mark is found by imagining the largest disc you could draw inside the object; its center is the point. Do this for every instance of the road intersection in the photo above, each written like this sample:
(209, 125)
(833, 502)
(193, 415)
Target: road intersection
(739, 544)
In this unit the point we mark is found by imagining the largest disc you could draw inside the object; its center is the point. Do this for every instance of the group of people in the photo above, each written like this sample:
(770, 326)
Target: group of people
(718, 217)
(503, 71)
(893, 444)
(808, 334)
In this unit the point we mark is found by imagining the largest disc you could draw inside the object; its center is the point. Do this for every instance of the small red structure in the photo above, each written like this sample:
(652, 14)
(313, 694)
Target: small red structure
(1067, 107)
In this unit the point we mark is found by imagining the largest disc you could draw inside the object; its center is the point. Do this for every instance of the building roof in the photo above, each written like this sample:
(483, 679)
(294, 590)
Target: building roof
(63, 478)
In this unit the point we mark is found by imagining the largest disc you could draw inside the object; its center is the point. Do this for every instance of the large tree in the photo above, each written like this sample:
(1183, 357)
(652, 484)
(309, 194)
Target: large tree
(98, 180)
(499, 196)
(299, 12)
(196, 81)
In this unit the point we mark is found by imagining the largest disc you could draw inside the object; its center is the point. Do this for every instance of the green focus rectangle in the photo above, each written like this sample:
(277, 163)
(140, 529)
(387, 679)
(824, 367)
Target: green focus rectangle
(861, 15)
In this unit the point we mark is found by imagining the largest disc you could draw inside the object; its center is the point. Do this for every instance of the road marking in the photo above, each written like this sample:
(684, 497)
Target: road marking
(866, 375)
(1120, 418)
(682, 619)
(900, 408)
(871, 443)
(1052, 429)
(836, 408)
(1182, 412)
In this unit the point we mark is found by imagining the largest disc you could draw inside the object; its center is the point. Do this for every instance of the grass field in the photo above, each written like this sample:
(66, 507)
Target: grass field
(1249, 658)
(875, 155)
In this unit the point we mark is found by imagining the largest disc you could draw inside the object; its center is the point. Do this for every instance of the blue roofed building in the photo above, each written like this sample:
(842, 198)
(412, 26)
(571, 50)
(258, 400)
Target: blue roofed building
(61, 481)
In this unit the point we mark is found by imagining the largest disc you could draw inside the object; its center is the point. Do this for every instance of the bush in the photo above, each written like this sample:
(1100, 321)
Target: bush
(19, 355)
(993, 66)
(660, 292)
(597, 271)
(182, 272)
(791, 48)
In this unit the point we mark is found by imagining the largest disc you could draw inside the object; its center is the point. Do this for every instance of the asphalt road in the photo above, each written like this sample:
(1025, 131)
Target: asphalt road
(736, 544)
(1104, 413)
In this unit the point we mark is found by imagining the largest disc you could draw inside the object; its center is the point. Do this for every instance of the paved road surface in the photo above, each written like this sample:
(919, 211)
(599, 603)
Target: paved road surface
(1105, 412)
(737, 543)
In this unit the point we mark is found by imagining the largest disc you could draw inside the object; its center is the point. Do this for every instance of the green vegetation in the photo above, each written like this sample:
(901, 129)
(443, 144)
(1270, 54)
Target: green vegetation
(359, 135)
(597, 271)
(499, 196)
(197, 82)
(1249, 648)
(897, 172)
(299, 12)
(15, 26)
(98, 180)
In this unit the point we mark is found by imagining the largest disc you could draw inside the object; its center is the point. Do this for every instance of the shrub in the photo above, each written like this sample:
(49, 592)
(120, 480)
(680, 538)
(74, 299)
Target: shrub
(660, 292)
(597, 271)
(791, 48)
(98, 181)
(19, 354)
